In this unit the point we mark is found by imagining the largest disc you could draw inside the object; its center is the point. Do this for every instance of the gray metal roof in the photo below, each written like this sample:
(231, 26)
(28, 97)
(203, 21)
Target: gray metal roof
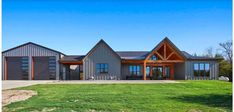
(132, 54)
(71, 58)
(191, 57)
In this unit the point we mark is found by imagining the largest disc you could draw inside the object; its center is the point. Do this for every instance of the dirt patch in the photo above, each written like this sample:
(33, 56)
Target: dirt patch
(10, 96)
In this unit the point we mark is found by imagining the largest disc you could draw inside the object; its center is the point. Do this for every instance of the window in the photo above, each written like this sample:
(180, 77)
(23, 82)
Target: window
(24, 67)
(102, 68)
(154, 57)
(196, 69)
(147, 71)
(167, 72)
(201, 69)
(134, 70)
(207, 69)
(52, 67)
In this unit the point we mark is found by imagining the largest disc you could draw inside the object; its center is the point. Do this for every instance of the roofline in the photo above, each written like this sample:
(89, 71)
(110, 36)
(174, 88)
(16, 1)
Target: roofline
(32, 44)
(173, 45)
(101, 41)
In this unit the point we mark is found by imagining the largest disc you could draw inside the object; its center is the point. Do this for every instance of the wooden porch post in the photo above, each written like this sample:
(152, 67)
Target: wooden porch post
(144, 72)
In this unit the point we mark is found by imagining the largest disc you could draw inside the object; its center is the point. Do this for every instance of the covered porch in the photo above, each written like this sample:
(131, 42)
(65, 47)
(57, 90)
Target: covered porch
(158, 64)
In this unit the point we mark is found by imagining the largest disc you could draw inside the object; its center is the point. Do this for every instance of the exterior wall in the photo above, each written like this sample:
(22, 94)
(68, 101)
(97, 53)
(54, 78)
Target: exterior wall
(102, 54)
(30, 51)
(125, 70)
(214, 69)
(179, 71)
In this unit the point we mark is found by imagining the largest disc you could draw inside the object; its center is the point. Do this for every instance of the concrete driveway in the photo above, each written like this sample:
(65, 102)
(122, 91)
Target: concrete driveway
(16, 84)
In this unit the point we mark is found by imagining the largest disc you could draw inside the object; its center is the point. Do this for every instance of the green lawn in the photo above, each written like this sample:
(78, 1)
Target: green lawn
(190, 96)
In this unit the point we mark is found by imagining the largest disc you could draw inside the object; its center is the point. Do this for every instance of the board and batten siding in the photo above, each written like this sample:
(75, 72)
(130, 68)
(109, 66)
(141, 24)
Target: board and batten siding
(214, 69)
(31, 50)
(102, 54)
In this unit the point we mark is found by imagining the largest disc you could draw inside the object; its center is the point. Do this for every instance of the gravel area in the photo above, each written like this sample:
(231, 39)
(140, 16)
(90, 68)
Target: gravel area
(10, 96)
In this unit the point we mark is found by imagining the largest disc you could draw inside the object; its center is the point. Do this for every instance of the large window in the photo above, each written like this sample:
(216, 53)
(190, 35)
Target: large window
(102, 68)
(201, 69)
(135, 70)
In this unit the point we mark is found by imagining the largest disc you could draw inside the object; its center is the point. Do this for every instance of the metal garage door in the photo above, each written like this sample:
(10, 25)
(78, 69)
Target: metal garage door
(44, 68)
(17, 68)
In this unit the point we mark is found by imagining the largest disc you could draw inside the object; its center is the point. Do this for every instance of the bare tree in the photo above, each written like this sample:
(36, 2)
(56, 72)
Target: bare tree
(227, 50)
(209, 52)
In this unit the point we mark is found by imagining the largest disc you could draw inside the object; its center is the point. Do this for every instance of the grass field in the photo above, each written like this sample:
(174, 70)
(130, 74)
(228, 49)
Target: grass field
(193, 96)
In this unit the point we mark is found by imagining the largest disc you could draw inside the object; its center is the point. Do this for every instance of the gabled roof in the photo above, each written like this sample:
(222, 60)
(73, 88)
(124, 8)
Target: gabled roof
(32, 44)
(100, 42)
(172, 45)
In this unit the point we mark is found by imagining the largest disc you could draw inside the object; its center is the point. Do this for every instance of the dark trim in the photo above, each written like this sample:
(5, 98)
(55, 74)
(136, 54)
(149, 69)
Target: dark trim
(32, 44)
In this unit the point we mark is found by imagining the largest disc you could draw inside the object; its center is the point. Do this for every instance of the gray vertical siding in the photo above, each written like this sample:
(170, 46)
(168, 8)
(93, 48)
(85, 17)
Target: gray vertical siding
(32, 50)
(214, 69)
(102, 54)
(179, 71)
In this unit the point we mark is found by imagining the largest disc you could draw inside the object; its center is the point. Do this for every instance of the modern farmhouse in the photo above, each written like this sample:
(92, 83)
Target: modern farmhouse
(31, 61)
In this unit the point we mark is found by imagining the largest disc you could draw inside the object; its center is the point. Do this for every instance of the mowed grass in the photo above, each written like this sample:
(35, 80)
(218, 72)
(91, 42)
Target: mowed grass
(192, 96)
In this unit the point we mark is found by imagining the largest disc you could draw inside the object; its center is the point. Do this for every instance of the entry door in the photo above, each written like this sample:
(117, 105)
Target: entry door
(157, 73)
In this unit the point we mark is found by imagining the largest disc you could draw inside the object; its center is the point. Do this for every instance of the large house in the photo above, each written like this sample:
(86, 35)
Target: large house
(31, 61)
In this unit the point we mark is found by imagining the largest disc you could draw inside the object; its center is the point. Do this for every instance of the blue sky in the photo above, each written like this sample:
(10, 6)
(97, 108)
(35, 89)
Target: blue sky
(75, 26)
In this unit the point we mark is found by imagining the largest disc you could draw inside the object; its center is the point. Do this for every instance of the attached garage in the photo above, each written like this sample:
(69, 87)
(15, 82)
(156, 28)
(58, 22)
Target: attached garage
(31, 61)
(44, 68)
(17, 68)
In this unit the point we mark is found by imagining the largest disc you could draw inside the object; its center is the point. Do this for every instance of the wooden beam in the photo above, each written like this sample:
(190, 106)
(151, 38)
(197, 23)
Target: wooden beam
(144, 72)
(162, 61)
(132, 61)
(176, 53)
(170, 55)
(72, 63)
(159, 55)
(153, 51)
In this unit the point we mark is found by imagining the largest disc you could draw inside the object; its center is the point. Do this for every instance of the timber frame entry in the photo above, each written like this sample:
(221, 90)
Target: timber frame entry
(166, 54)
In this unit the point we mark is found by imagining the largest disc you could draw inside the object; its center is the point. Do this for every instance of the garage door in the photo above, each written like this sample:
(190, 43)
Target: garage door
(17, 68)
(44, 68)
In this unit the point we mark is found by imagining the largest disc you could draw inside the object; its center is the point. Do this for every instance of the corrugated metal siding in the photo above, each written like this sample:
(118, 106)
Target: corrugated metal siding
(31, 50)
(214, 66)
(102, 54)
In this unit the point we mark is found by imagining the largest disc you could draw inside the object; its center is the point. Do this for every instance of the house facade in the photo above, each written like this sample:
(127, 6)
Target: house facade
(165, 61)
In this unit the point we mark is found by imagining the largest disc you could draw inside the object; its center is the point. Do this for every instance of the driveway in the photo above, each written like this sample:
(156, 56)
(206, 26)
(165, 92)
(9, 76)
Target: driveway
(16, 84)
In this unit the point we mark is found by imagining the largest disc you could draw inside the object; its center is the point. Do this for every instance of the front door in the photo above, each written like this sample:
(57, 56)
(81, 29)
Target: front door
(157, 72)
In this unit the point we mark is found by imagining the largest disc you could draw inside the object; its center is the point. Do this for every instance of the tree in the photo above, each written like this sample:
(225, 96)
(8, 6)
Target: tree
(225, 69)
(226, 65)
(209, 52)
(227, 50)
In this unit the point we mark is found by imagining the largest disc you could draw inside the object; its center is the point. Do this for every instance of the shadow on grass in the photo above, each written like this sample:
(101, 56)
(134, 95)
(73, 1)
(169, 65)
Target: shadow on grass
(212, 100)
